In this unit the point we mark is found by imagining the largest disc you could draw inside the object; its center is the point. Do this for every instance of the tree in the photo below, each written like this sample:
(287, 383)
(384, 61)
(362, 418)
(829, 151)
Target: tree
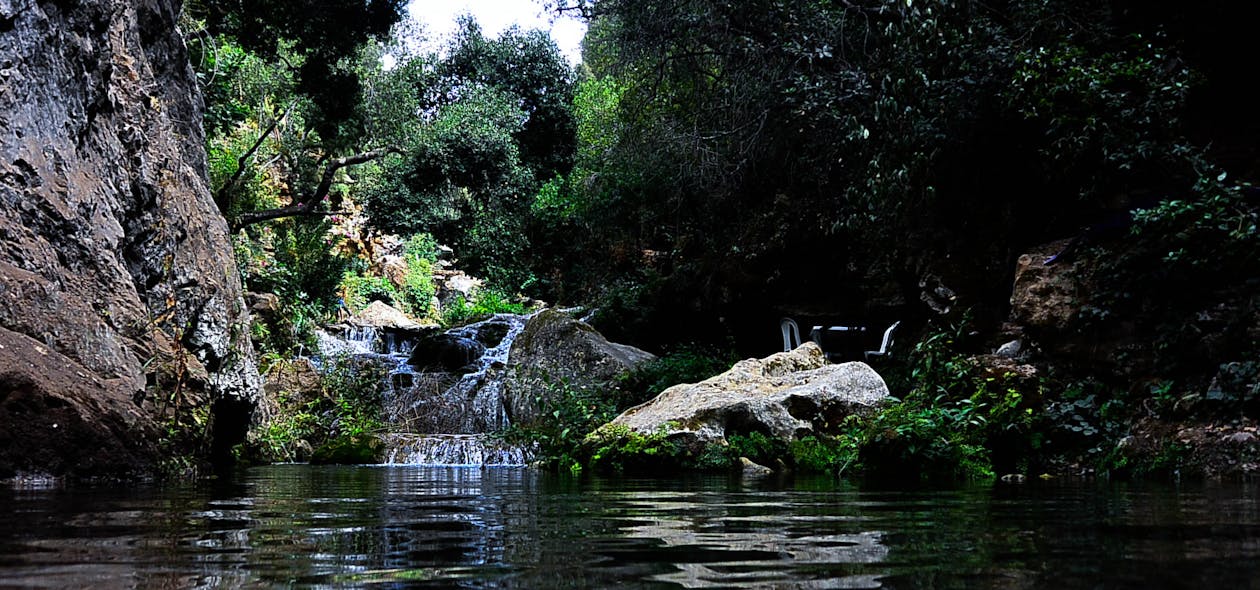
(283, 80)
(758, 143)
(314, 36)
(495, 118)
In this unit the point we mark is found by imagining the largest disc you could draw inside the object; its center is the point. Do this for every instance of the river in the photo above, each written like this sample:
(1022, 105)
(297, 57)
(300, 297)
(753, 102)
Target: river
(388, 527)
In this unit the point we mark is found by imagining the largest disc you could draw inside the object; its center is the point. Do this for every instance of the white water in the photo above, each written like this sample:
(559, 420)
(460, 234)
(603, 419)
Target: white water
(467, 450)
(474, 404)
(441, 417)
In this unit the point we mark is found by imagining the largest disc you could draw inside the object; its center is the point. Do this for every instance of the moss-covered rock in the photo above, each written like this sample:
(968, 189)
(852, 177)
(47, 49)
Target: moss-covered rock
(350, 450)
(785, 396)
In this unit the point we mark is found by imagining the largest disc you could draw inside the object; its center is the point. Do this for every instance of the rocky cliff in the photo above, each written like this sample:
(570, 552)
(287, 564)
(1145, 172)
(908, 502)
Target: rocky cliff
(121, 318)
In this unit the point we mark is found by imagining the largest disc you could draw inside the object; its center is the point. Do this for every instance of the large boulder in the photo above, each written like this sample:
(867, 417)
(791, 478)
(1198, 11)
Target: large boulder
(379, 314)
(116, 274)
(1046, 298)
(1051, 302)
(557, 348)
(786, 395)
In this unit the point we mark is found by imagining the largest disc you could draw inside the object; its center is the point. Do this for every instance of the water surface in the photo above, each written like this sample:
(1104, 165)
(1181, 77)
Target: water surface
(387, 527)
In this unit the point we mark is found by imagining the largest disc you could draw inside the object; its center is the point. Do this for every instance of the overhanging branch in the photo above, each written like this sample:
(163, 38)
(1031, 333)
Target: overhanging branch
(307, 206)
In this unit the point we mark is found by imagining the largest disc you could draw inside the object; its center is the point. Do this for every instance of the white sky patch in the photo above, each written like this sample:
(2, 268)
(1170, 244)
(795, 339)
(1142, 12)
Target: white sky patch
(495, 16)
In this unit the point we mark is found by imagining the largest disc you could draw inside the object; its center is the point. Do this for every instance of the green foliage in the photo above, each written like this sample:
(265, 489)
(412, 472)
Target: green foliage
(875, 136)
(684, 364)
(361, 290)
(344, 416)
(318, 35)
(485, 303)
(823, 454)
(1086, 418)
(413, 296)
(287, 332)
(417, 289)
(951, 423)
(757, 447)
(1165, 461)
(528, 66)
(294, 260)
(934, 439)
(616, 448)
(1184, 261)
(421, 247)
(350, 450)
(567, 414)
(497, 119)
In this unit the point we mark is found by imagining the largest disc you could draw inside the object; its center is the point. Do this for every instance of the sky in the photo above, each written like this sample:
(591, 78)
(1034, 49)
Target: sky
(494, 16)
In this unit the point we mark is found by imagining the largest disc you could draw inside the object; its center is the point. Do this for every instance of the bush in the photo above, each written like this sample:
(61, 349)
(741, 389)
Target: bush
(361, 290)
(568, 414)
(616, 448)
(951, 422)
(484, 304)
(345, 416)
(823, 454)
(685, 364)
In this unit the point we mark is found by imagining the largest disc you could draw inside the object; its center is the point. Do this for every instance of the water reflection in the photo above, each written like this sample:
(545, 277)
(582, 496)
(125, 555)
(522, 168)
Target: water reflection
(348, 527)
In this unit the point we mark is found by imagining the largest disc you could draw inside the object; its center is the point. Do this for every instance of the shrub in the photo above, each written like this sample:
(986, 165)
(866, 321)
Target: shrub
(685, 364)
(343, 418)
(484, 304)
(952, 420)
(361, 290)
(568, 413)
(616, 448)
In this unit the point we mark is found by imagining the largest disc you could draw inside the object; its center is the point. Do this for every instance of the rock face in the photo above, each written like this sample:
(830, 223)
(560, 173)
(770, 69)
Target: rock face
(556, 347)
(786, 395)
(116, 274)
(1047, 303)
(1045, 298)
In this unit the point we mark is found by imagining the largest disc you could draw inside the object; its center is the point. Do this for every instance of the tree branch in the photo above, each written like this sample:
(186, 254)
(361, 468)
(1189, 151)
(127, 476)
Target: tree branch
(224, 196)
(307, 206)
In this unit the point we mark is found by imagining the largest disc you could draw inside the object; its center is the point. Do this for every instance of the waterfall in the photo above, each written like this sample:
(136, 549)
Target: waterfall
(442, 413)
(453, 450)
(449, 403)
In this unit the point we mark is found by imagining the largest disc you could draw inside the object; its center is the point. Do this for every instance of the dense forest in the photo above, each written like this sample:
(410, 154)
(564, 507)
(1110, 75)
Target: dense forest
(713, 166)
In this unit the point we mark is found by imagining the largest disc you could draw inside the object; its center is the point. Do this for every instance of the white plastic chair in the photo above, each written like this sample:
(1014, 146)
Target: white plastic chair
(791, 334)
(885, 347)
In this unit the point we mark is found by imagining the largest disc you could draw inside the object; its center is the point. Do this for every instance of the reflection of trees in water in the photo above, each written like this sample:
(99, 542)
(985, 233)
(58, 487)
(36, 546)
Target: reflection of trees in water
(518, 528)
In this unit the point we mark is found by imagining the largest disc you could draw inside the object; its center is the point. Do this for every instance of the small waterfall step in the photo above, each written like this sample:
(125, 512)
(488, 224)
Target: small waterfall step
(455, 450)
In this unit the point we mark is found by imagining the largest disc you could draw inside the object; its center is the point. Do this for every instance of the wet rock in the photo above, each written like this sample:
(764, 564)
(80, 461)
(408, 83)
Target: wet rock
(787, 395)
(115, 259)
(750, 469)
(446, 352)
(555, 347)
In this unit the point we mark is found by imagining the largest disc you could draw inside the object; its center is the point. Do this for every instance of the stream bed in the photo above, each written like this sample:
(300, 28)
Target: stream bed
(403, 526)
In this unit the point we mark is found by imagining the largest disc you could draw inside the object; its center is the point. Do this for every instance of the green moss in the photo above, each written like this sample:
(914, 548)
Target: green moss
(616, 448)
(821, 454)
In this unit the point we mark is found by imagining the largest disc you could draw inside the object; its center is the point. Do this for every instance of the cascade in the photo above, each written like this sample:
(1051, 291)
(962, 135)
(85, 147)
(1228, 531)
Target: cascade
(452, 450)
(444, 408)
